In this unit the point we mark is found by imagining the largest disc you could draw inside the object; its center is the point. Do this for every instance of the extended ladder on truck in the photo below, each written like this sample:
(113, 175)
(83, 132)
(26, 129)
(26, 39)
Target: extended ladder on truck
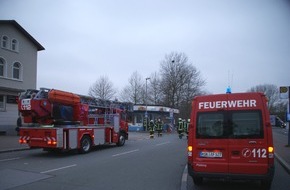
(105, 109)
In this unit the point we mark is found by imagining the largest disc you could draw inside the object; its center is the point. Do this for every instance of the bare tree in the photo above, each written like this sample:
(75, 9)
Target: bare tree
(174, 86)
(134, 92)
(102, 89)
(153, 91)
(272, 93)
(180, 80)
(281, 109)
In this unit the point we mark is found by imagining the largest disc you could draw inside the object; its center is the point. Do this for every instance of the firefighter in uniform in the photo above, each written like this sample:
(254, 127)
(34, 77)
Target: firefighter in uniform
(151, 128)
(180, 128)
(159, 127)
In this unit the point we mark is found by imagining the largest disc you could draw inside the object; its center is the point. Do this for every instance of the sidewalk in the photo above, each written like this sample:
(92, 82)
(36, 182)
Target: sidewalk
(282, 152)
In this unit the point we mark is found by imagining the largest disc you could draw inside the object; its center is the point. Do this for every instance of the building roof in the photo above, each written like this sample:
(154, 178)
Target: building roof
(23, 31)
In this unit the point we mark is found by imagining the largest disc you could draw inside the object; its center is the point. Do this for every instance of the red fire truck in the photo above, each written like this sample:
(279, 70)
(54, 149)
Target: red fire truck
(230, 136)
(58, 120)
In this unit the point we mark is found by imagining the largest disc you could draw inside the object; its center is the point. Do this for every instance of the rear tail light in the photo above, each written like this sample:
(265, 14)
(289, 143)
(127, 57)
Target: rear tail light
(22, 141)
(270, 149)
(271, 152)
(189, 150)
(51, 141)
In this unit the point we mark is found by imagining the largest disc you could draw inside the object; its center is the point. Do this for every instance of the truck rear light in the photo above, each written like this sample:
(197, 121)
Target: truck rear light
(22, 141)
(51, 142)
(189, 150)
(270, 149)
(270, 152)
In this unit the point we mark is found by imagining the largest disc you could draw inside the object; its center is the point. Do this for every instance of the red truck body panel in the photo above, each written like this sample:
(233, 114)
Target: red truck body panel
(64, 137)
(230, 136)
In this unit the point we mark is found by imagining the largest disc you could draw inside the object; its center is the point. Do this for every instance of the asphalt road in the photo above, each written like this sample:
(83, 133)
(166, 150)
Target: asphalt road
(141, 163)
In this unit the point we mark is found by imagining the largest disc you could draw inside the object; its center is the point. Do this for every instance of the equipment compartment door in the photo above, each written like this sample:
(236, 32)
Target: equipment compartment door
(116, 123)
(73, 138)
(59, 137)
(99, 136)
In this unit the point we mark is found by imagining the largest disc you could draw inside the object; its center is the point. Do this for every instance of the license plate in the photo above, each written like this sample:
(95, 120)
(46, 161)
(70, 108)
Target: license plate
(211, 154)
(25, 104)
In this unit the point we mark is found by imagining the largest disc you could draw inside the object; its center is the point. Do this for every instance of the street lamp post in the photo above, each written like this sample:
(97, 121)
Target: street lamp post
(146, 114)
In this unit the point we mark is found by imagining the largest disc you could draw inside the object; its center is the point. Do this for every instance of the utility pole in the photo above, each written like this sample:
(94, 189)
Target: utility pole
(146, 113)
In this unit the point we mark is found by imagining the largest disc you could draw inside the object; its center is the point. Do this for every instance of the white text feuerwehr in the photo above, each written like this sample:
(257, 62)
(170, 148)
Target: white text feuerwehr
(227, 104)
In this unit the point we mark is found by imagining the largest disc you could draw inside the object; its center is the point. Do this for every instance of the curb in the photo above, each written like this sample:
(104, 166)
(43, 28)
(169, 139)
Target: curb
(285, 165)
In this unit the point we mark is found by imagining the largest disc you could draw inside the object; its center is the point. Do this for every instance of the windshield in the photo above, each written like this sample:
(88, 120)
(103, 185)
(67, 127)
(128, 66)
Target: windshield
(238, 124)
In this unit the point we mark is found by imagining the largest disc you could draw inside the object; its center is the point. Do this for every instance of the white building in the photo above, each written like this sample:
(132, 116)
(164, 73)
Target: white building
(18, 70)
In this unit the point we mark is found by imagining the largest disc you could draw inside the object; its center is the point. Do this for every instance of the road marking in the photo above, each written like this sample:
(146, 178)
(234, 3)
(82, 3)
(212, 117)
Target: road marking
(184, 179)
(283, 162)
(163, 143)
(128, 152)
(61, 168)
(10, 159)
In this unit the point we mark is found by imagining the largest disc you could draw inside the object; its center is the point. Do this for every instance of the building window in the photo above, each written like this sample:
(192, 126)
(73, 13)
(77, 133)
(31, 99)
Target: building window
(2, 103)
(11, 99)
(4, 42)
(14, 45)
(2, 68)
(16, 70)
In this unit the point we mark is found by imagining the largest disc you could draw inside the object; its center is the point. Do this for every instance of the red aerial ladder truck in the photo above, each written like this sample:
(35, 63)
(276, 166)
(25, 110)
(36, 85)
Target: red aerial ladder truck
(58, 120)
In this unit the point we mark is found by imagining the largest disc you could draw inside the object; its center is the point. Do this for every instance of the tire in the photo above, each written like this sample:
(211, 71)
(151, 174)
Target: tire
(122, 140)
(86, 145)
(197, 180)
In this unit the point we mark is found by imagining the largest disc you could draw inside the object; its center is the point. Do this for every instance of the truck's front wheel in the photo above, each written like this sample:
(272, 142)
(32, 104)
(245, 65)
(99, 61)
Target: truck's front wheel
(85, 145)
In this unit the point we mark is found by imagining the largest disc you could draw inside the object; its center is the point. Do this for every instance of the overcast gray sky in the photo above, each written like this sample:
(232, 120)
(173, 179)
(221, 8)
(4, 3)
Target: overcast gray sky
(243, 43)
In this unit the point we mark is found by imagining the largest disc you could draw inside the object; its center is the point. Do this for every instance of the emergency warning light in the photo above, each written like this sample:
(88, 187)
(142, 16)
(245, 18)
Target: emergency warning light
(229, 90)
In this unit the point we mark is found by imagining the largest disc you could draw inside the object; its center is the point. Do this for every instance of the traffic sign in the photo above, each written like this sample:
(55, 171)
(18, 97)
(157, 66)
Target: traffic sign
(284, 92)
